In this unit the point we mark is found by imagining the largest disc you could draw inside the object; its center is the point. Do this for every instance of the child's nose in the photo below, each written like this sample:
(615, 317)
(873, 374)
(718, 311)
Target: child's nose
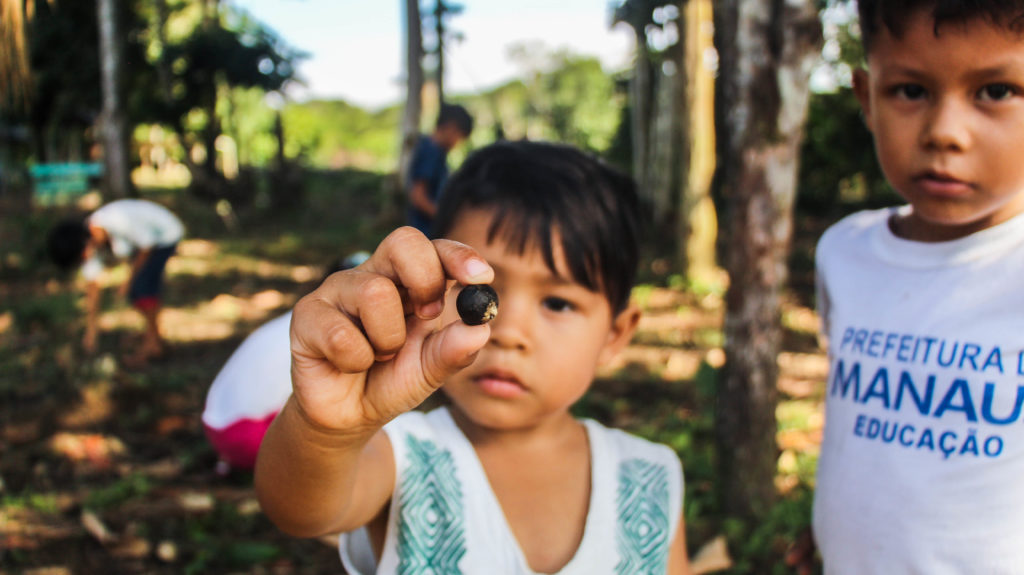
(946, 126)
(512, 327)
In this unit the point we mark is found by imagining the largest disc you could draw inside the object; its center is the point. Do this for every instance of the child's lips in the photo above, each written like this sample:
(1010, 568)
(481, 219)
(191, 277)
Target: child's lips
(500, 384)
(941, 184)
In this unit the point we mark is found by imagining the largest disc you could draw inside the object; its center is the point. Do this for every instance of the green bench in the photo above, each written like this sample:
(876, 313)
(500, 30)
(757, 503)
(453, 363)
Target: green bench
(60, 183)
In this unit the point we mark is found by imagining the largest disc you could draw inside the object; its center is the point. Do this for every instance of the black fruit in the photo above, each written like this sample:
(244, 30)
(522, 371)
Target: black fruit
(477, 304)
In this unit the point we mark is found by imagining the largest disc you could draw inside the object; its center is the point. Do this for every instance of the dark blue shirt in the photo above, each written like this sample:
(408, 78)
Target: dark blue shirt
(429, 165)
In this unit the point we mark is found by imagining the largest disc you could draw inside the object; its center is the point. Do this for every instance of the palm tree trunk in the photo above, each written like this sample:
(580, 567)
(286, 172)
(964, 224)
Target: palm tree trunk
(113, 123)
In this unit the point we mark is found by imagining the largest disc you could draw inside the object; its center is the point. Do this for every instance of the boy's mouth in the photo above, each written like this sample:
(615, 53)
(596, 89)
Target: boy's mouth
(499, 383)
(942, 184)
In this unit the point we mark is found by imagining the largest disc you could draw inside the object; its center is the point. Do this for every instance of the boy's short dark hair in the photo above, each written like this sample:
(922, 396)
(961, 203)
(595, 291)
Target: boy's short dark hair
(67, 241)
(535, 189)
(893, 15)
(457, 115)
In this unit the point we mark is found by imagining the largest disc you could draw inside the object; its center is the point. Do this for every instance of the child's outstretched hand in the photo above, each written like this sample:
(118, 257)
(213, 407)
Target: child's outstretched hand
(367, 345)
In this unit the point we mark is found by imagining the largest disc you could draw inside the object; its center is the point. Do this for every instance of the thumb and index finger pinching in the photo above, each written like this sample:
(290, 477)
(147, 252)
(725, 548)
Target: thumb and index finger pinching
(423, 268)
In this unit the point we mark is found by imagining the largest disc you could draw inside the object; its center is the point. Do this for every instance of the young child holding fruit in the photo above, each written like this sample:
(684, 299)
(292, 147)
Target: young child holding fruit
(504, 479)
(922, 306)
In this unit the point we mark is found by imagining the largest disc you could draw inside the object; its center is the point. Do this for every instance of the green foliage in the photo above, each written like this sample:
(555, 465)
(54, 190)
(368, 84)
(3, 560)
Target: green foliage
(131, 487)
(582, 105)
(838, 169)
(41, 502)
(760, 548)
(334, 134)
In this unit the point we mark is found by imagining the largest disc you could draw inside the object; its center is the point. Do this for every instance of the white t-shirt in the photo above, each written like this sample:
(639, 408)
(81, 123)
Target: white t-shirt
(444, 517)
(133, 225)
(256, 381)
(924, 435)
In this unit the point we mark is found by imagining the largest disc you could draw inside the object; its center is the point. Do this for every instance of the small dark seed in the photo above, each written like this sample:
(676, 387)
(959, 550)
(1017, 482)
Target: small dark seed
(477, 304)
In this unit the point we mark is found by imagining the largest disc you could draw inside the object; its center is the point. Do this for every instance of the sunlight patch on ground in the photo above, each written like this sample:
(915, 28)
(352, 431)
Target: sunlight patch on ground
(212, 320)
(206, 259)
(219, 317)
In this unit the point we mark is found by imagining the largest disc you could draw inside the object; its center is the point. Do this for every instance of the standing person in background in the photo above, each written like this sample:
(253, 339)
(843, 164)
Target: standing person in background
(922, 305)
(428, 169)
(141, 231)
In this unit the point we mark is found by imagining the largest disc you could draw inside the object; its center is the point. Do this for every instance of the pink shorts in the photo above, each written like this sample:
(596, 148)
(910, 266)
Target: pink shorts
(239, 442)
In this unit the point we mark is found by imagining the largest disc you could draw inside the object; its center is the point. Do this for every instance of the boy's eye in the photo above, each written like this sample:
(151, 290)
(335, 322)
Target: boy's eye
(558, 304)
(910, 91)
(996, 92)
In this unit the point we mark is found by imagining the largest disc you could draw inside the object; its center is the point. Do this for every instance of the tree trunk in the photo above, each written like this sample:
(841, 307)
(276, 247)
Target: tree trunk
(113, 123)
(439, 12)
(766, 51)
(641, 96)
(414, 87)
(698, 224)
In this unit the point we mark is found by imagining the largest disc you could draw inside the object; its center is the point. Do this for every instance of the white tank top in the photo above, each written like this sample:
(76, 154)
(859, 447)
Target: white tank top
(445, 519)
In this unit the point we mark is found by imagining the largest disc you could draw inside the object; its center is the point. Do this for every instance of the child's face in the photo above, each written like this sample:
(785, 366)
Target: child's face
(947, 115)
(548, 339)
(449, 136)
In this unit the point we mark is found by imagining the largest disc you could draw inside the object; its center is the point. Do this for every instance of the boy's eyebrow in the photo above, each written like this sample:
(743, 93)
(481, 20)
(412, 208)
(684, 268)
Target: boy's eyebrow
(996, 71)
(549, 278)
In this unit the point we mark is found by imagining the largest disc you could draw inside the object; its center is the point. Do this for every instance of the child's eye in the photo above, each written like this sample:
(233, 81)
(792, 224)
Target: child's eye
(558, 304)
(996, 92)
(910, 91)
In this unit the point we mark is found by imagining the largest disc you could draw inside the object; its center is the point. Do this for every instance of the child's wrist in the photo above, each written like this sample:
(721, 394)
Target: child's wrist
(324, 436)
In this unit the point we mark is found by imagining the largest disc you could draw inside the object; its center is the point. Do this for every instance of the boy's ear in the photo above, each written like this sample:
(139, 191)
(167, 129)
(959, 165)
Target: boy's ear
(623, 327)
(862, 89)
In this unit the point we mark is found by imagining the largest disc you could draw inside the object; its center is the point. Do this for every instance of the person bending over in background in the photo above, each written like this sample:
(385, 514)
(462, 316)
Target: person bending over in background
(141, 231)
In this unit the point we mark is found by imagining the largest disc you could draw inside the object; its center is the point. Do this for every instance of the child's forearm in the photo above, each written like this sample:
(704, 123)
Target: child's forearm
(92, 303)
(305, 477)
(137, 262)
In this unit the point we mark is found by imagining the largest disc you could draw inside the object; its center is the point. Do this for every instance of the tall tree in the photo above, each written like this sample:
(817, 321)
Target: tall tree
(443, 9)
(639, 14)
(413, 112)
(767, 50)
(113, 121)
(697, 225)
(15, 72)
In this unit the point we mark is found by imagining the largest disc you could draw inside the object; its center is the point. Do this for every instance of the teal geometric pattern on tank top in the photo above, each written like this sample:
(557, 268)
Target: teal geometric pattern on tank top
(431, 521)
(643, 524)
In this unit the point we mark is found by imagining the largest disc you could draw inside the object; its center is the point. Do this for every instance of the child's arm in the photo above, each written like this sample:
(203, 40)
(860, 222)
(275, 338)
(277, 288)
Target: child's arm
(420, 199)
(137, 262)
(366, 347)
(92, 303)
(678, 560)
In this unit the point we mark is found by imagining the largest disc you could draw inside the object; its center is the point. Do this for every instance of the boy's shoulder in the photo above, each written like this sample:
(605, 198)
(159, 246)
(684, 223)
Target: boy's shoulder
(854, 230)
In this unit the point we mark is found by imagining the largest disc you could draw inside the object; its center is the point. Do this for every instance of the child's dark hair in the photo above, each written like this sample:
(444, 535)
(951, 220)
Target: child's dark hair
(66, 242)
(537, 189)
(893, 15)
(457, 115)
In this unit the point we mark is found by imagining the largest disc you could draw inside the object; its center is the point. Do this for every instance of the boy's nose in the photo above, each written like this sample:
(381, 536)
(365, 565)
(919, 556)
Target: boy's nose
(510, 329)
(946, 127)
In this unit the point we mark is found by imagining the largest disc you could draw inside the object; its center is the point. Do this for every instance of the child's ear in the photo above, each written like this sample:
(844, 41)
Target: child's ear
(623, 327)
(862, 89)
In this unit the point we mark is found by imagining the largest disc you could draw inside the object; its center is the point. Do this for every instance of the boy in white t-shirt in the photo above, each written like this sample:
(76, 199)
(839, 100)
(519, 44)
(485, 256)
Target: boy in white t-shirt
(141, 231)
(922, 305)
(505, 479)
